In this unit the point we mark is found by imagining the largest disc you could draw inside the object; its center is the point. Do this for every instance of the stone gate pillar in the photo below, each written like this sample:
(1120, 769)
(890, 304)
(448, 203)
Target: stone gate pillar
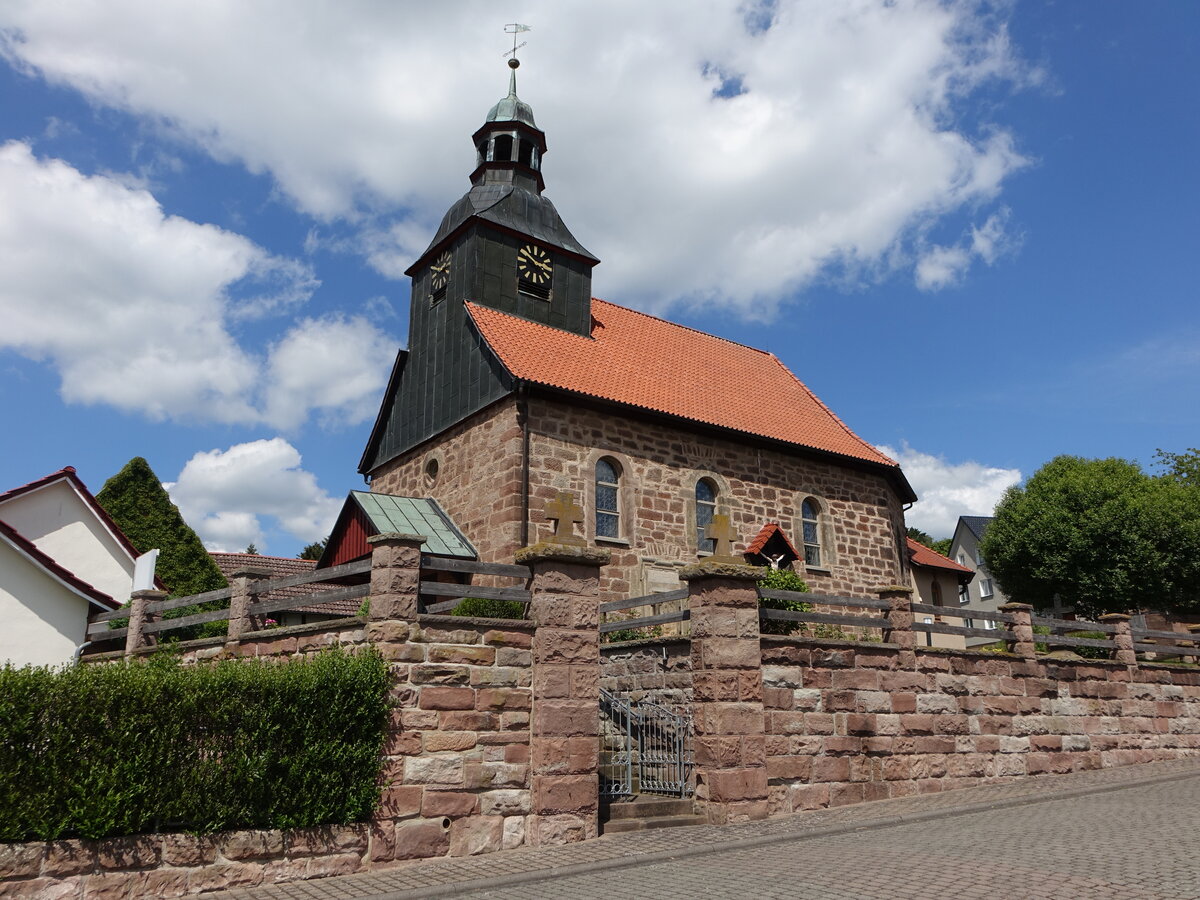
(138, 617)
(395, 575)
(1021, 629)
(565, 722)
(242, 582)
(730, 742)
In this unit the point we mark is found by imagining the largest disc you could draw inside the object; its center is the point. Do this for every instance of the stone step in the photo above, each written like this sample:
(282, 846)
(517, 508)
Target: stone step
(614, 826)
(647, 808)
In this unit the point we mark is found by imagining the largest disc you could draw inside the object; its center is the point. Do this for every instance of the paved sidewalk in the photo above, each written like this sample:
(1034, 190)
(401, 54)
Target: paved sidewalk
(1125, 832)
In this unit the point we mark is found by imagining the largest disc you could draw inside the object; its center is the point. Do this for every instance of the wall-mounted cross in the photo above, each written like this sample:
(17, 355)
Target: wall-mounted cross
(722, 532)
(565, 513)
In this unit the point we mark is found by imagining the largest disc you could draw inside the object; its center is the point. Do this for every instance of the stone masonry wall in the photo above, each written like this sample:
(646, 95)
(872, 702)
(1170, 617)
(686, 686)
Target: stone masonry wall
(478, 479)
(457, 759)
(176, 865)
(658, 671)
(847, 724)
(862, 519)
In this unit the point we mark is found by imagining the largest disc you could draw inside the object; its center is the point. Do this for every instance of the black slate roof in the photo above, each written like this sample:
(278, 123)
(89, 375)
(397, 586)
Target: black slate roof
(977, 524)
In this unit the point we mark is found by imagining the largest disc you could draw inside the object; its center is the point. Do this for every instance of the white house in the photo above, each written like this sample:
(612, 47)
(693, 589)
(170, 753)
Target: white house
(61, 557)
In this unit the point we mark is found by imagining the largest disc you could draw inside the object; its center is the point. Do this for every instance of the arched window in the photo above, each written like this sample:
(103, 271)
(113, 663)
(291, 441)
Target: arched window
(706, 508)
(809, 518)
(608, 488)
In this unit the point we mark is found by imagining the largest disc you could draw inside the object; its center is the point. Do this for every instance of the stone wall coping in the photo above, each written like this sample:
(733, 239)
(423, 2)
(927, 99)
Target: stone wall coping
(251, 572)
(1115, 617)
(831, 643)
(1016, 607)
(648, 642)
(715, 567)
(894, 589)
(472, 621)
(149, 594)
(385, 536)
(548, 551)
(268, 634)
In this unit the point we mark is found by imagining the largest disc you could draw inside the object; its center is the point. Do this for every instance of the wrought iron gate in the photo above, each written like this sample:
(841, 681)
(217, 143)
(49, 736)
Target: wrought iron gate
(644, 748)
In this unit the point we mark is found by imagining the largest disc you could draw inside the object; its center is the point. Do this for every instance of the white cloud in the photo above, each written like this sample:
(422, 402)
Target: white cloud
(939, 267)
(131, 306)
(225, 495)
(845, 145)
(948, 490)
(334, 365)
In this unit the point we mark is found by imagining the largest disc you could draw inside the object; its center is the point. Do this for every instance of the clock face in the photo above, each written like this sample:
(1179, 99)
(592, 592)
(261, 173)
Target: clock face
(439, 272)
(533, 264)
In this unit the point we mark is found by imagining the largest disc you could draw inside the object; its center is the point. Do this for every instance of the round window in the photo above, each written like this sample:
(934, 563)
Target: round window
(431, 473)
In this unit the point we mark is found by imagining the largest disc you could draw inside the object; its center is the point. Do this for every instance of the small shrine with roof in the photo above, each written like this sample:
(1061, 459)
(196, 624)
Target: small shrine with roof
(518, 384)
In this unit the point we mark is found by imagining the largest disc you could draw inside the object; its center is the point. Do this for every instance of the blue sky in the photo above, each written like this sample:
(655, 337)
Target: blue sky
(971, 229)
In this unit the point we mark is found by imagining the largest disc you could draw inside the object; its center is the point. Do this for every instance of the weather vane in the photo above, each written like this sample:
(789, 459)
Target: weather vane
(514, 29)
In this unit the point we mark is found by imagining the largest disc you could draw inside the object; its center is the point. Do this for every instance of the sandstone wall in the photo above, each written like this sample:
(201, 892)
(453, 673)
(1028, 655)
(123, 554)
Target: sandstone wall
(849, 724)
(862, 520)
(657, 672)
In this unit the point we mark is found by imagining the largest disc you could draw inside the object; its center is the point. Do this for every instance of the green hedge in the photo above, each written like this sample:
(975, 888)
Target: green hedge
(103, 750)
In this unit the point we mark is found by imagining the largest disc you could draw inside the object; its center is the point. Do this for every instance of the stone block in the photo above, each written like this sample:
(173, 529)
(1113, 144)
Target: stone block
(422, 839)
(831, 768)
(480, 775)
(553, 645)
(333, 865)
(497, 638)
(20, 860)
(256, 844)
(437, 741)
(733, 785)
(564, 755)
(440, 770)
(566, 718)
(476, 835)
(135, 852)
(440, 674)
(503, 699)
(514, 833)
(453, 653)
(71, 857)
(447, 698)
(554, 794)
(554, 830)
(454, 804)
(505, 802)
(222, 876)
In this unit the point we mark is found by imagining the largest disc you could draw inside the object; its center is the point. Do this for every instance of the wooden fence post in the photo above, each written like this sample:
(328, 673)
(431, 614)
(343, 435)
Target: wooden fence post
(138, 617)
(900, 622)
(1021, 629)
(1123, 638)
(395, 575)
(241, 582)
(564, 745)
(730, 723)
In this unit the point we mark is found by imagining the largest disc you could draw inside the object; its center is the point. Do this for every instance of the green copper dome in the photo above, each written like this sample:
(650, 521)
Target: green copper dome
(512, 108)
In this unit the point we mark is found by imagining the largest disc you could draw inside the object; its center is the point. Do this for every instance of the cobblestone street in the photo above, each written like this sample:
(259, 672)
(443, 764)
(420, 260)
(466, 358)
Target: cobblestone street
(1131, 832)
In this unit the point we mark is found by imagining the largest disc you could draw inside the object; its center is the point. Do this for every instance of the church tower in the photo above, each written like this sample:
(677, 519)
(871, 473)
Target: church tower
(502, 245)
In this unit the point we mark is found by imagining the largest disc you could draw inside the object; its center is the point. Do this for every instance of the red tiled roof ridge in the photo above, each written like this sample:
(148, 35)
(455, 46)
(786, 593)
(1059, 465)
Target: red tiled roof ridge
(55, 568)
(668, 322)
(809, 424)
(294, 559)
(765, 534)
(918, 550)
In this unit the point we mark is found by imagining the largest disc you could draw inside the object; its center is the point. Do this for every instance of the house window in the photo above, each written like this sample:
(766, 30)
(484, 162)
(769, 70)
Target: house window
(706, 508)
(968, 623)
(812, 532)
(979, 557)
(985, 587)
(962, 559)
(608, 487)
(964, 594)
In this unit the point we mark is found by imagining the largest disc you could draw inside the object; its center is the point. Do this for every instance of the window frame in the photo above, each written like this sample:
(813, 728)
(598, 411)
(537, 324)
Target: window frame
(703, 544)
(615, 512)
(817, 522)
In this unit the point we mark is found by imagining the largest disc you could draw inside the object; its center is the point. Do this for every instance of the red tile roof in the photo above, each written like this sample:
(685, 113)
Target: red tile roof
(920, 555)
(768, 531)
(643, 361)
(279, 566)
(68, 473)
(46, 562)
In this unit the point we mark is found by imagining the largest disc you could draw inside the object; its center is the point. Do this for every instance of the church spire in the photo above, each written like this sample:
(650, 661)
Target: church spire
(510, 146)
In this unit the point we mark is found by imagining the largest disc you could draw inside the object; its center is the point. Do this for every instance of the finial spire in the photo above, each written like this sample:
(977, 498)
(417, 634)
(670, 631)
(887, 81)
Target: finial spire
(514, 29)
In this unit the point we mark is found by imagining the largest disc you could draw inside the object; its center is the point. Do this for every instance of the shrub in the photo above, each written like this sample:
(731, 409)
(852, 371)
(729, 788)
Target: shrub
(480, 608)
(1090, 652)
(632, 634)
(106, 750)
(783, 580)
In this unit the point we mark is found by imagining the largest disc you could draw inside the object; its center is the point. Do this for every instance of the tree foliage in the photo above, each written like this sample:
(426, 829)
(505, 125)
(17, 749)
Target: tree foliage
(942, 546)
(1100, 535)
(921, 537)
(141, 507)
(314, 550)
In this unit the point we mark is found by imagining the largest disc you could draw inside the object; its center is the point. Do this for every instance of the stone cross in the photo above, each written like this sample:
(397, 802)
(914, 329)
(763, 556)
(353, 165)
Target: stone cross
(565, 514)
(722, 532)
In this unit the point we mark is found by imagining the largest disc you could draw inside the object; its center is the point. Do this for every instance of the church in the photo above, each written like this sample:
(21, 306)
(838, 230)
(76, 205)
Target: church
(518, 384)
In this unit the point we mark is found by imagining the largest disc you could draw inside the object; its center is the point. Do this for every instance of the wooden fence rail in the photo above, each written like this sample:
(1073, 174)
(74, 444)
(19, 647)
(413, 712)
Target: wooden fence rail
(682, 615)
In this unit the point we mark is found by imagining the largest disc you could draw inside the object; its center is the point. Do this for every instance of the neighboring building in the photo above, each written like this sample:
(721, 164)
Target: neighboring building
(61, 558)
(982, 592)
(938, 581)
(280, 567)
(517, 385)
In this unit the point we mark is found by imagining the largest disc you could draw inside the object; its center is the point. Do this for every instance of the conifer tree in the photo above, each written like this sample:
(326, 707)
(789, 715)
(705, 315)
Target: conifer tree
(141, 507)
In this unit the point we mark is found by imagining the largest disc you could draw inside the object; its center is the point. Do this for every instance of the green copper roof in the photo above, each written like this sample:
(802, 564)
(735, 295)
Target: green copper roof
(512, 108)
(415, 515)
